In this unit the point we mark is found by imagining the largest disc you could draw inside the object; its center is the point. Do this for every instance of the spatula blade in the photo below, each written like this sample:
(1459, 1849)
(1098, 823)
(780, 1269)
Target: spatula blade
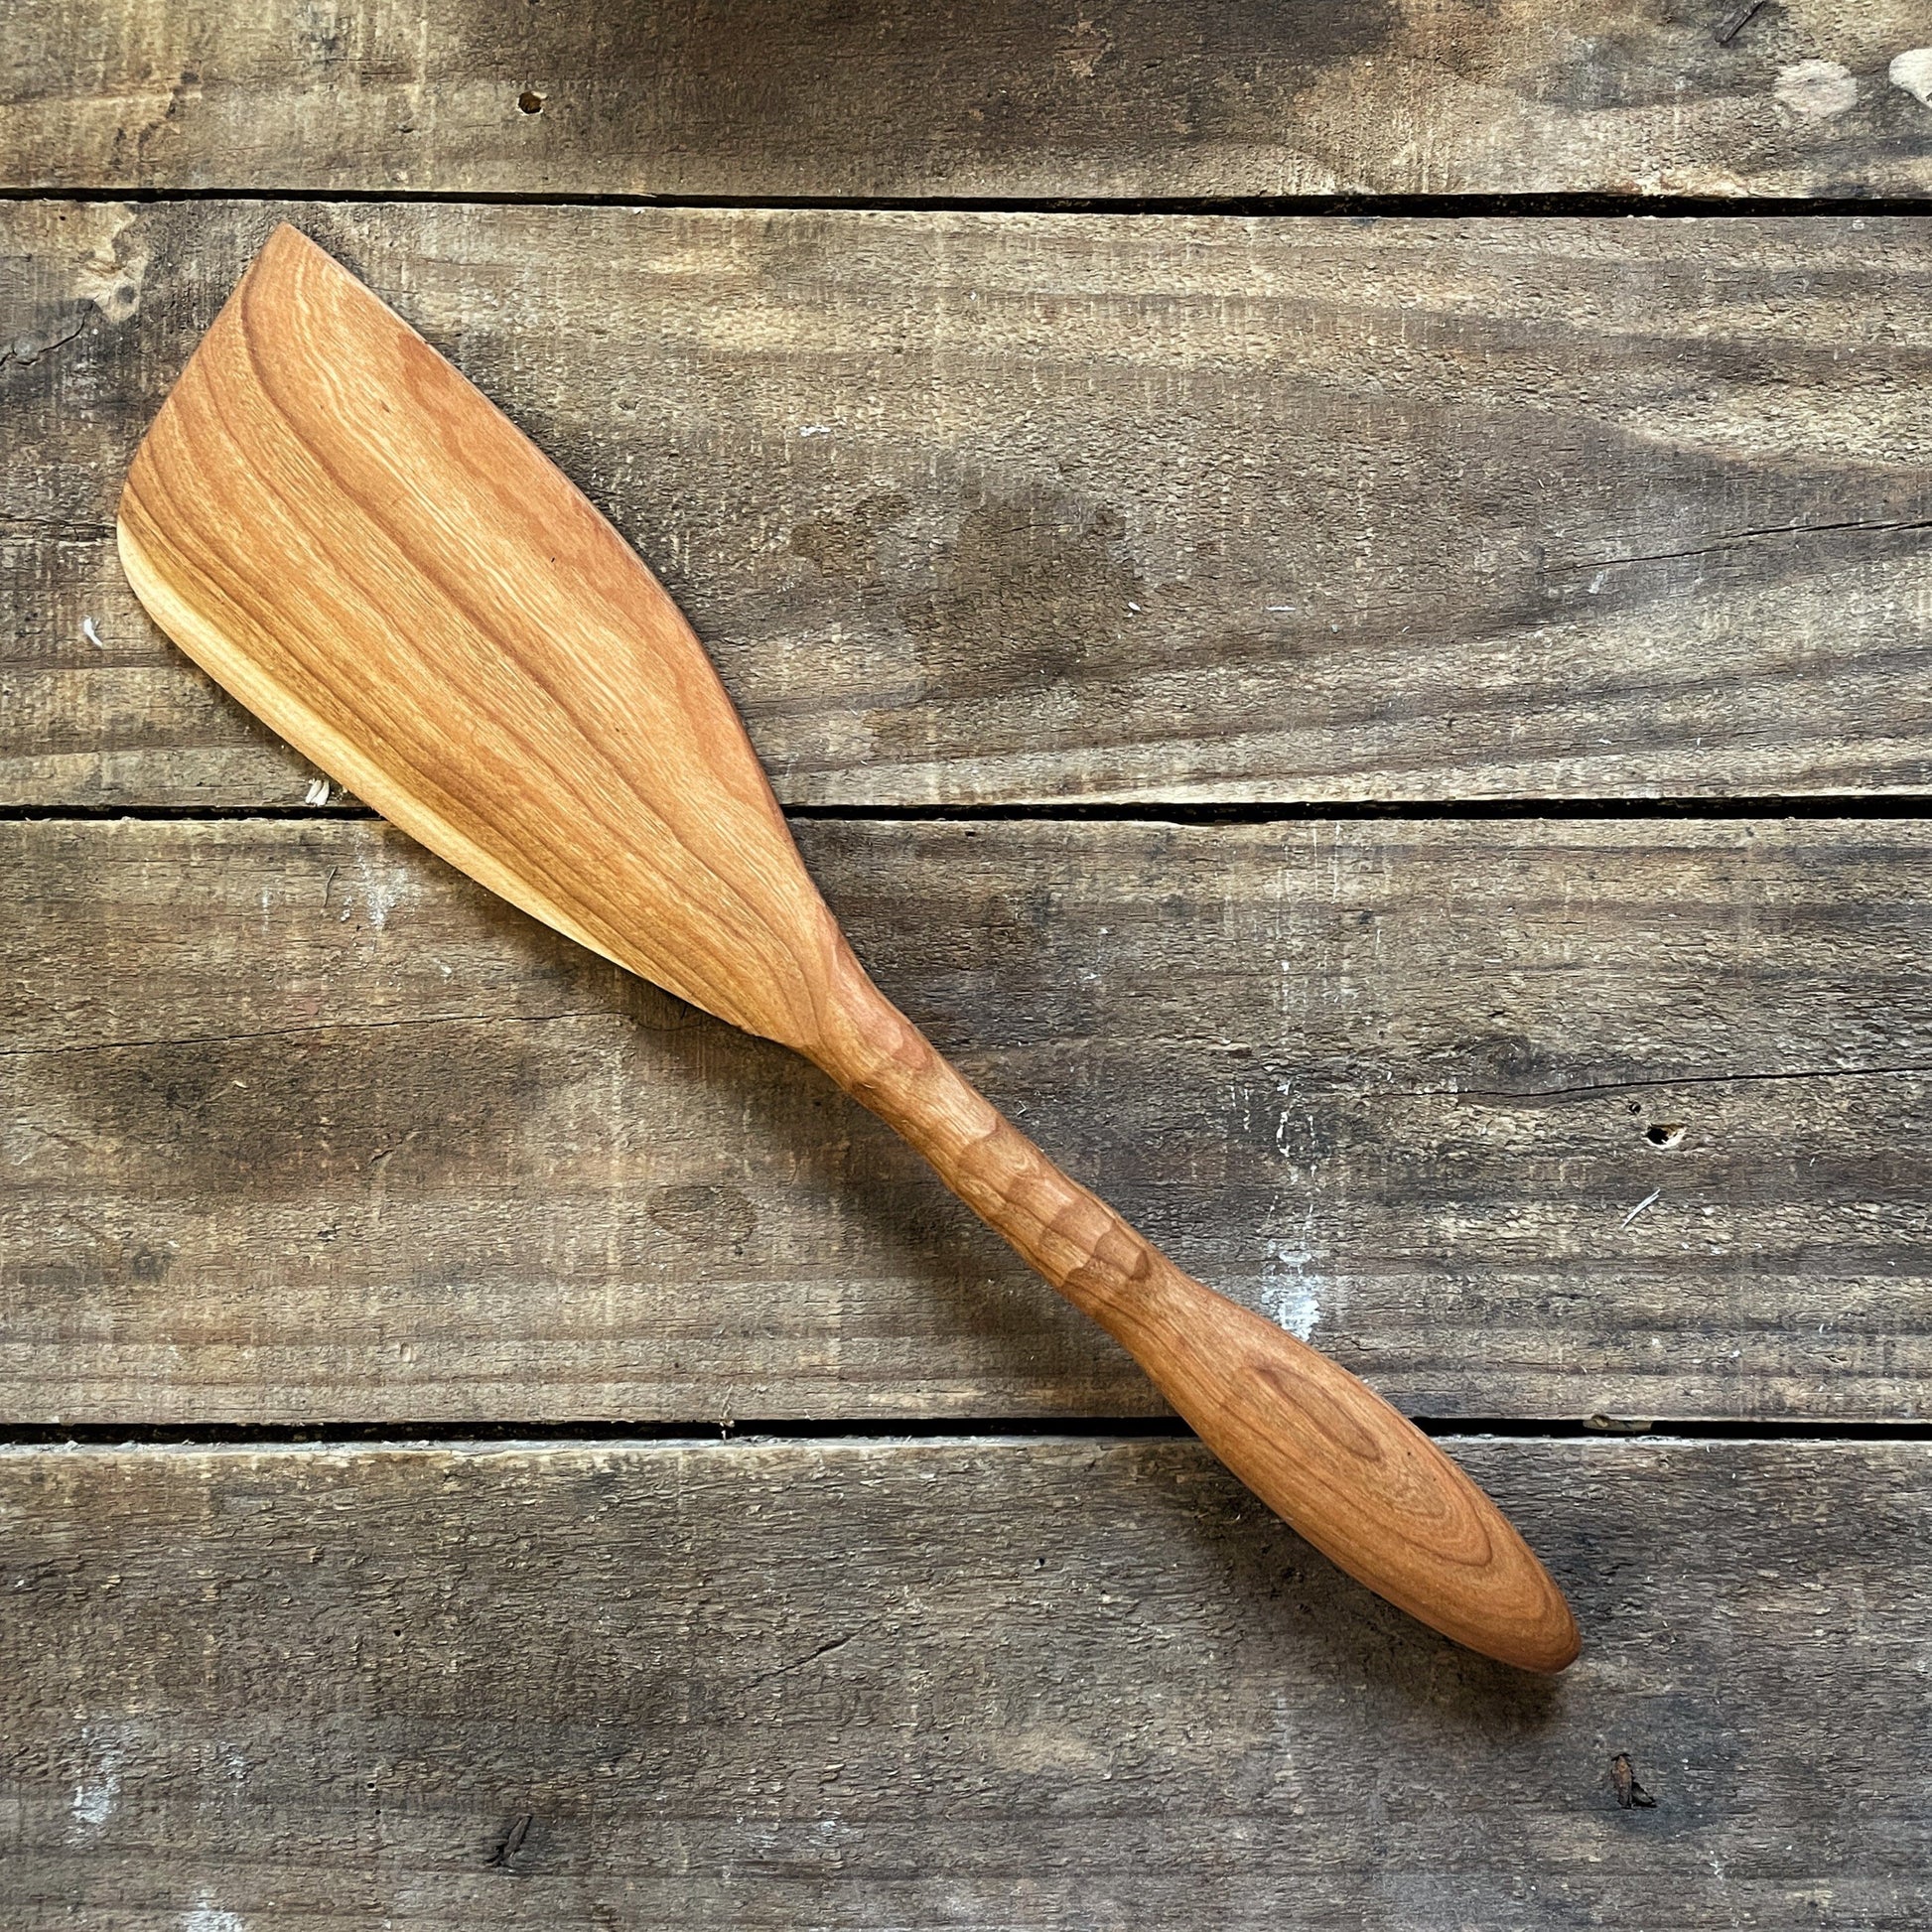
(343, 531)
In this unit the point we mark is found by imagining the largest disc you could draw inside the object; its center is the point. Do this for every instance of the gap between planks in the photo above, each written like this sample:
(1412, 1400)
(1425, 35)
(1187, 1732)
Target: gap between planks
(1834, 805)
(699, 1433)
(1473, 207)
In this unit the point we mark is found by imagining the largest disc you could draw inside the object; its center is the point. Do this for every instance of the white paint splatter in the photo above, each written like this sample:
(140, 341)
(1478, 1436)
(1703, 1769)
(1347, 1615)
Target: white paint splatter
(99, 1793)
(1819, 88)
(318, 793)
(380, 895)
(211, 1918)
(1649, 1201)
(92, 636)
(1291, 1297)
(1912, 70)
(1293, 1306)
(815, 428)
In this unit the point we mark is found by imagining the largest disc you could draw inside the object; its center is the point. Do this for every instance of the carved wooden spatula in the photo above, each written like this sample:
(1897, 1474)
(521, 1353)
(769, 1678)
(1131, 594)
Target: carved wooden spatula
(339, 528)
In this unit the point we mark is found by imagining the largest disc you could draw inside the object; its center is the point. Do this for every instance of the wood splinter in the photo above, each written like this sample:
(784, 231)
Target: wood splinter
(336, 525)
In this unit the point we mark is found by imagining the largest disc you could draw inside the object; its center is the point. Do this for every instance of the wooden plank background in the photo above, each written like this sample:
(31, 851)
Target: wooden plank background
(1017, 508)
(1053, 1683)
(314, 1127)
(1110, 97)
(1375, 701)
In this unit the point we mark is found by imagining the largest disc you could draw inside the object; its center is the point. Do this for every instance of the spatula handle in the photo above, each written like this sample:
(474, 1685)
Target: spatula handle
(1355, 1477)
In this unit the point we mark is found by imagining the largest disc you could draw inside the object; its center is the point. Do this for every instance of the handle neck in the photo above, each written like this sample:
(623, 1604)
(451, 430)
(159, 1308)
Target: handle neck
(1061, 1230)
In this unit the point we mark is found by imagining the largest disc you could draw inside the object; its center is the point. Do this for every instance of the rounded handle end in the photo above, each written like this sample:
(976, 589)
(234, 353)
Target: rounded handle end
(1353, 1476)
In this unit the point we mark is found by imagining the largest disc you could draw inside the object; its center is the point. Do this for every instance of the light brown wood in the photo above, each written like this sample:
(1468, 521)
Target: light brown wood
(341, 530)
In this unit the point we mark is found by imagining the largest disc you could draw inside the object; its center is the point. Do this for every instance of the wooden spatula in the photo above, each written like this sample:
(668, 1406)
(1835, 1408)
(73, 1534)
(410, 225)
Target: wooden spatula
(329, 520)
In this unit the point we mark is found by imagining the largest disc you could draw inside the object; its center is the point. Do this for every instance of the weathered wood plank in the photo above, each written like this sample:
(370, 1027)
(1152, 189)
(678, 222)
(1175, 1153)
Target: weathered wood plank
(1015, 508)
(302, 1125)
(1023, 1684)
(1118, 98)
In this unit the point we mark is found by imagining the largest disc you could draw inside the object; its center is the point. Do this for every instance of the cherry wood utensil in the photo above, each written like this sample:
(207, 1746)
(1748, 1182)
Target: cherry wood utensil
(335, 524)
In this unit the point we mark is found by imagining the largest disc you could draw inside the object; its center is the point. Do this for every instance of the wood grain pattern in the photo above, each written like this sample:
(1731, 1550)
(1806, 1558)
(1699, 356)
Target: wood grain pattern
(1044, 1684)
(343, 532)
(346, 535)
(1555, 508)
(301, 1126)
(1120, 98)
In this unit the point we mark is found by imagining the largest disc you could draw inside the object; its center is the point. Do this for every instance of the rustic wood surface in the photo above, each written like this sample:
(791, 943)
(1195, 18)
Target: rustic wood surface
(1000, 509)
(1025, 508)
(1118, 98)
(305, 1126)
(1080, 1685)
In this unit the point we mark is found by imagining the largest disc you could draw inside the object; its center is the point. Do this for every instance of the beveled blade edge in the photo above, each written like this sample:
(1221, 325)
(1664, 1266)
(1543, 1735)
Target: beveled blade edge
(322, 745)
